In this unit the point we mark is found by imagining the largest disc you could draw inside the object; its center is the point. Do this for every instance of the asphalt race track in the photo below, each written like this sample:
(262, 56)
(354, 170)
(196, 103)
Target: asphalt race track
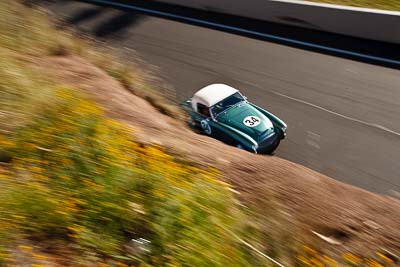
(343, 114)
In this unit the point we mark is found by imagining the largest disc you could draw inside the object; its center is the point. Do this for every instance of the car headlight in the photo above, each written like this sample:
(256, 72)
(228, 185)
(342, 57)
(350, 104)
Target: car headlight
(283, 129)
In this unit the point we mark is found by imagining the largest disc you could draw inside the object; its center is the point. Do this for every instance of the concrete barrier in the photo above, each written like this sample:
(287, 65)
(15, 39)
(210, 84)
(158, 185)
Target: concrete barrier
(358, 22)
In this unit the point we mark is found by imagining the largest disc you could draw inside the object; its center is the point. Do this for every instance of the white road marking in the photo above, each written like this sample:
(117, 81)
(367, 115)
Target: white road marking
(351, 70)
(377, 126)
(313, 139)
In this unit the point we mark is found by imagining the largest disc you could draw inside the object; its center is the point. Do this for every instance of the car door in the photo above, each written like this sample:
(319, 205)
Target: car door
(210, 126)
(221, 133)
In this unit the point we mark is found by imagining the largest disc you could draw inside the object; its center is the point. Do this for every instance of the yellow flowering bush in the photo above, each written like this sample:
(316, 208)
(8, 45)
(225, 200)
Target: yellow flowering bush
(312, 258)
(80, 177)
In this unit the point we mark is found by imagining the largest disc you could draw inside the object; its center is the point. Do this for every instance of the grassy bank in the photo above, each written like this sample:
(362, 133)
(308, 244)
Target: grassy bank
(378, 4)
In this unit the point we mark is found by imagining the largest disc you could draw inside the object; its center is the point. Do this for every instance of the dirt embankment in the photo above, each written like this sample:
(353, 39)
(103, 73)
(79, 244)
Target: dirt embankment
(355, 219)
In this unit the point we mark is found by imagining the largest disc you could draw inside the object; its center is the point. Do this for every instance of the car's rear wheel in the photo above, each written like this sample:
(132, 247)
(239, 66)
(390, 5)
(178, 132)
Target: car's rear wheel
(191, 122)
(206, 127)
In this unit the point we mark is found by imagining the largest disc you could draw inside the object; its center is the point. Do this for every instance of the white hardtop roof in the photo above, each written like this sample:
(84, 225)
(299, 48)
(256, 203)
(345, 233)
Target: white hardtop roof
(212, 94)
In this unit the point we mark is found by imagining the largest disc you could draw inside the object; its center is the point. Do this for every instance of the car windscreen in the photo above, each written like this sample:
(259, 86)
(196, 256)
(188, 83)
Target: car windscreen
(226, 103)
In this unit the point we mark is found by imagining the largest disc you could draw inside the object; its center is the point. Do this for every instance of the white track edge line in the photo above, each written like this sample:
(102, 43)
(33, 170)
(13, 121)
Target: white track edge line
(380, 127)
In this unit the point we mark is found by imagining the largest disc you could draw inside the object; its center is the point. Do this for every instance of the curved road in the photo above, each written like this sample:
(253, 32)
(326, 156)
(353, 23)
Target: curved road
(343, 115)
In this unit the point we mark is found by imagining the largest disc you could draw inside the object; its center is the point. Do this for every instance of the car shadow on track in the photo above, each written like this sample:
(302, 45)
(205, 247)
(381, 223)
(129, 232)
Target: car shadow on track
(102, 22)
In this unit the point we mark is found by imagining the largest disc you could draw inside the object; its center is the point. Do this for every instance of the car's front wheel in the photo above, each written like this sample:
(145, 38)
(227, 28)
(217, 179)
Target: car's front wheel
(274, 146)
(241, 146)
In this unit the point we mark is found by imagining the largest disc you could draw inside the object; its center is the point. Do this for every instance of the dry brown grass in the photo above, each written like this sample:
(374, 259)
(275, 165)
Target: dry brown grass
(135, 78)
(379, 4)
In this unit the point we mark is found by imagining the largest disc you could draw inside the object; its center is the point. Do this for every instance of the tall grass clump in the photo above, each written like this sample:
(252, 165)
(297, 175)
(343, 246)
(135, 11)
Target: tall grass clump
(28, 30)
(22, 90)
(79, 177)
(139, 82)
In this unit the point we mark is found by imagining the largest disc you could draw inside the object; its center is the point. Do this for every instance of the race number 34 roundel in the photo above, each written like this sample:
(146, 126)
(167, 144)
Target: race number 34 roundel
(251, 121)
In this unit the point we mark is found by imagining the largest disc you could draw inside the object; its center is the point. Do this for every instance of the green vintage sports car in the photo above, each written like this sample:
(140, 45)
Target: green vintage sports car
(224, 113)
